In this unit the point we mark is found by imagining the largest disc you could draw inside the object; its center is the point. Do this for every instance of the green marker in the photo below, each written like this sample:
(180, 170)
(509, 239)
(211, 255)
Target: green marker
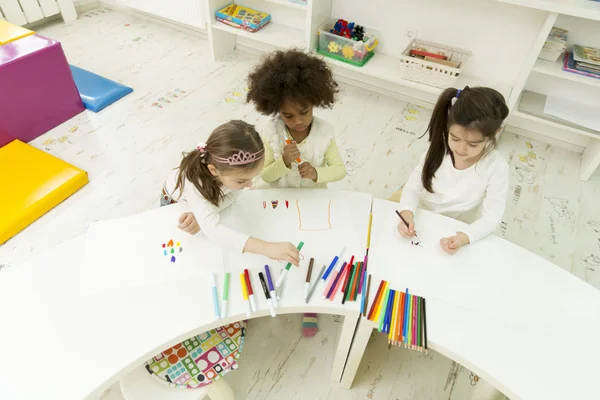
(225, 294)
(287, 268)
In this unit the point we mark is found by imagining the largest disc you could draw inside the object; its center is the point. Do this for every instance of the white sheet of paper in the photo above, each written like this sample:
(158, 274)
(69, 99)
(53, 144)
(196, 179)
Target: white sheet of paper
(128, 252)
(577, 113)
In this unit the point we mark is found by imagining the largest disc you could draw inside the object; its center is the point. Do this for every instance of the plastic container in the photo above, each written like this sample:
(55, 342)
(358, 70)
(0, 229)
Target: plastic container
(343, 49)
(429, 72)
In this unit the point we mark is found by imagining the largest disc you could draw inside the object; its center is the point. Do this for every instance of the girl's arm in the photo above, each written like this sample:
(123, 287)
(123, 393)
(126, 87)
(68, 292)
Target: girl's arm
(335, 169)
(494, 204)
(273, 169)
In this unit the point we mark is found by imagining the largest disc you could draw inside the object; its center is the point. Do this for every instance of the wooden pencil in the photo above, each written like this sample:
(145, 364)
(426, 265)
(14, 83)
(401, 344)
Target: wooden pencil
(380, 303)
(367, 289)
(410, 306)
(375, 300)
(424, 324)
(399, 319)
(396, 316)
(414, 322)
(383, 309)
(391, 331)
(404, 330)
(419, 324)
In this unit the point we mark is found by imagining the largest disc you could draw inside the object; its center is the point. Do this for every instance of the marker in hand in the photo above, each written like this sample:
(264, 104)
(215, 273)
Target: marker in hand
(298, 160)
(287, 268)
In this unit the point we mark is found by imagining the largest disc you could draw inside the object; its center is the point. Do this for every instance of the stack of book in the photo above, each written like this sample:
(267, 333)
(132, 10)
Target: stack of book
(583, 61)
(555, 45)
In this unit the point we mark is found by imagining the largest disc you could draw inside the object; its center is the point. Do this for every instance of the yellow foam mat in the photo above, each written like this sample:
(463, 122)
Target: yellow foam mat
(32, 182)
(10, 32)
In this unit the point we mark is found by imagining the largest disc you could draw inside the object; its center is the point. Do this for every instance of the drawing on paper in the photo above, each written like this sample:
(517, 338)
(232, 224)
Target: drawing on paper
(274, 203)
(524, 174)
(264, 204)
(314, 215)
(171, 248)
(287, 204)
(595, 225)
(416, 243)
(560, 206)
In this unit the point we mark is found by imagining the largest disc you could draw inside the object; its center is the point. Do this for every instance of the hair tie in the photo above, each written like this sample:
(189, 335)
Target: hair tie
(458, 93)
(201, 148)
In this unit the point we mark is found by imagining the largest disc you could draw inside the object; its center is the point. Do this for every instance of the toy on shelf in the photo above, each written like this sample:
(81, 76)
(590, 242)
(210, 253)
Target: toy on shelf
(243, 17)
(346, 41)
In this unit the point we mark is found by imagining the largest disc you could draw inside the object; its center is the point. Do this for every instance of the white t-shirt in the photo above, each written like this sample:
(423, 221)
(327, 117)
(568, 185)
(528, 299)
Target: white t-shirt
(459, 193)
(207, 214)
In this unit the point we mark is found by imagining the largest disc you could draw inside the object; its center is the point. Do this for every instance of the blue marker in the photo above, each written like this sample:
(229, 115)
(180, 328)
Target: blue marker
(216, 297)
(335, 260)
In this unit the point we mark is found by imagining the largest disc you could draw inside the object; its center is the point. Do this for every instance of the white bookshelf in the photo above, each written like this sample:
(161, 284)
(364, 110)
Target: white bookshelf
(273, 34)
(577, 8)
(555, 69)
(290, 4)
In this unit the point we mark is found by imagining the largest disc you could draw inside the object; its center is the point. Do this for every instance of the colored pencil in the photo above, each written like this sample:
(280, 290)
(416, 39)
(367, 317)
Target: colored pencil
(364, 294)
(271, 287)
(215, 296)
(384, 309)
(377, 294)
(286, 269)
(392, 333)
(403, 220)
(419, 329)
(408, 328)
(245, 295)
(369, 232)
(424, 325)
(360, 287)
(225, 295)
(414, 322)
(355, 279)
(390, 306)
(398, 317)
(405, 327)
(380, 303)
(334, 281)
(359, 279)
(314, 286)
(307, 283)
(401, 319)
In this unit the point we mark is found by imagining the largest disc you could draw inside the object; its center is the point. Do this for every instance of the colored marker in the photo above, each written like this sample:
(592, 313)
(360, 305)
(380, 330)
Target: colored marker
(225, 295)
(307, 283)
(298, 160)
(349, 282)
(366, 294)
(360, 287)
(333, 262)
(336, 282)
(250, 291)
(261, 277)
(271, 287)
(375, 300)
(245, 295)
(215, 297)
(363, 306)
(314, 286)
(287, 268)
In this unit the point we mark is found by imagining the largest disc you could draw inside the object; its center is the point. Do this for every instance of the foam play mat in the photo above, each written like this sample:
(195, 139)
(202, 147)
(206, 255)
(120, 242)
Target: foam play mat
(32, 182)
(200, 360)
(96, 91)
(10, 32)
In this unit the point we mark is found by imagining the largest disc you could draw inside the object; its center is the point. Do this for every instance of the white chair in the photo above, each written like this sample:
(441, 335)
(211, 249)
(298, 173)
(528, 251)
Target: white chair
(140, 385)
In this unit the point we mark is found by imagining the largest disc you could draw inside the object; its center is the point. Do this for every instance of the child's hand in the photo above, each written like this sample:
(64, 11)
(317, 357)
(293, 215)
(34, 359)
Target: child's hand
(283, 251)
(453, 243)
(290, 153)
(307, 171)
(407, 231)
(188, 223)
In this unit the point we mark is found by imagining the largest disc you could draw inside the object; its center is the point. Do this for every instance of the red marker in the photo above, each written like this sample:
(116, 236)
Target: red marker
(250, 291)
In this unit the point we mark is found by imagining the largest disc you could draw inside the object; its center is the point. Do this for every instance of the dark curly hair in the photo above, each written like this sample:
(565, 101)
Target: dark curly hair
(290, 74)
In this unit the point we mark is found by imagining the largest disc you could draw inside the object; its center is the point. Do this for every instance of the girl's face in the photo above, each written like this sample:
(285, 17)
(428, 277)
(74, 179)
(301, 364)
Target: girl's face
(466, 145)
(297, 116)
(238, 178)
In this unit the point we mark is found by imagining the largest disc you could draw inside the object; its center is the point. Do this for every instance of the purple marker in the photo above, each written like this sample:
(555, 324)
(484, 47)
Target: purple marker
(271, 287)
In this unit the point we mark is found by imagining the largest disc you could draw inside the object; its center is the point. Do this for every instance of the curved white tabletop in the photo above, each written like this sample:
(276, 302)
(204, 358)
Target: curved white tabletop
(525, 325)
(59, 343)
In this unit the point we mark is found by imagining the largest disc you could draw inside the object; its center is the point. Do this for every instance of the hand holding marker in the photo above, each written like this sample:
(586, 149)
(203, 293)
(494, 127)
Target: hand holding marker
(287, 268)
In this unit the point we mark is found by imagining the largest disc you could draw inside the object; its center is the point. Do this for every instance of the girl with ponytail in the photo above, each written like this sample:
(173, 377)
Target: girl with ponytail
(461, 170)
(209, 179)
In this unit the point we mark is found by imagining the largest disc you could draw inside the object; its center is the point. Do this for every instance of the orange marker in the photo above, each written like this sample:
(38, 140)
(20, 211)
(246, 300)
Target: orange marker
(288, 141)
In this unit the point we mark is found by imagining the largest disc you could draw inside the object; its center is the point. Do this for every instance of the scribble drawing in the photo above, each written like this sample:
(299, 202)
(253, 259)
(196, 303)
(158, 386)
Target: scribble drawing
(595, 225)
(315, 217)
(593, 261)
(560, 206)
(350, 167)
(524, 174)
(350, 152)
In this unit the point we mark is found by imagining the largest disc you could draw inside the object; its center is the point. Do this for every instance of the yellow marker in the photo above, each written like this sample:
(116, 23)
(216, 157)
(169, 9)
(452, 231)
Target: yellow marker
(245, 295)
(378, 307)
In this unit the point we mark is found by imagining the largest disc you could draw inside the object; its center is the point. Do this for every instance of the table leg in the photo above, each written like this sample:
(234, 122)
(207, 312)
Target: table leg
(359, 344)
(343, 347)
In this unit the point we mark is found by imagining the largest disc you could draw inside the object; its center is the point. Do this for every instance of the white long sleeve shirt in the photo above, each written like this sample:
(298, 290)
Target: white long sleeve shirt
(207, 214)
(459, 193)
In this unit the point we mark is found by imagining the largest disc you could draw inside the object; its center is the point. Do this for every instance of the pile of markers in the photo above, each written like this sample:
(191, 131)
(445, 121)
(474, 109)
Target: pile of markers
(350, 279)
(401, 315)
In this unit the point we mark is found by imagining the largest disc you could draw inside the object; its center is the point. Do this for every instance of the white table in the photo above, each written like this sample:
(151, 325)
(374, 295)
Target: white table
(57, 343)
(521, 323)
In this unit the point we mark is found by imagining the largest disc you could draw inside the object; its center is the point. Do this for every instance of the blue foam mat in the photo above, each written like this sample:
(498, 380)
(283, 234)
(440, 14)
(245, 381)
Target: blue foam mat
(96, 91)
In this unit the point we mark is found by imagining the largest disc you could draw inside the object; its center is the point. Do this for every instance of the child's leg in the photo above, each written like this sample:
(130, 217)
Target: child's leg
(395, 197)
(309, 325)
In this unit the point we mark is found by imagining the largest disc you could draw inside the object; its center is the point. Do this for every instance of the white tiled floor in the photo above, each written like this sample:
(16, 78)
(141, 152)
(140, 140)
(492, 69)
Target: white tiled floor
(180, 95)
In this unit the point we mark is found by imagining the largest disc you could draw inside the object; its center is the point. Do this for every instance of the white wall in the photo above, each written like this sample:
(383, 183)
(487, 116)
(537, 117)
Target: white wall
(498, 35)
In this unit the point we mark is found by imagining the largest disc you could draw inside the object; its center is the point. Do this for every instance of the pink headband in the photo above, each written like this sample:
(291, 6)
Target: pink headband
(239, 158)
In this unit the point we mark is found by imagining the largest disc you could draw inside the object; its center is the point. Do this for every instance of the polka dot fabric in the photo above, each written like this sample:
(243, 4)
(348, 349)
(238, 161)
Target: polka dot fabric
(200, 360)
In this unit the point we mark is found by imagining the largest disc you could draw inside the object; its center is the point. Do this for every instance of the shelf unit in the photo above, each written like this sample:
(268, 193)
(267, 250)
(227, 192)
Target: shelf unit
(382, 72)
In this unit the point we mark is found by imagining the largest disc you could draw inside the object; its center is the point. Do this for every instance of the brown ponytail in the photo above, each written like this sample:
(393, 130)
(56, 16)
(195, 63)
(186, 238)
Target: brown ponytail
(480, 109)
(225, 141)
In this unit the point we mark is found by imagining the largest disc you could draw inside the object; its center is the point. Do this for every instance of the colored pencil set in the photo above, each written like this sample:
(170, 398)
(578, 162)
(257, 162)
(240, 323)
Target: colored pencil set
(401, 315)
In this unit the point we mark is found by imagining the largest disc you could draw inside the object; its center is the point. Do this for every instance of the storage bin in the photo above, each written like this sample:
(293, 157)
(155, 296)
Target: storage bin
(429, 72)
(343, 49)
